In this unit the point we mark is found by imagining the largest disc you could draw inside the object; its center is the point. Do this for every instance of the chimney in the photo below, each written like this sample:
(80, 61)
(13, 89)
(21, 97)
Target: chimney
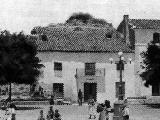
(126, 29)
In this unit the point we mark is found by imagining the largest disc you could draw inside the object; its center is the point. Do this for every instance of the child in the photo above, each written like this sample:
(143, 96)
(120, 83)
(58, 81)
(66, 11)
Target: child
(92, 108)
(48, 116)
(51, 113)
(57, 115)
(41, 116)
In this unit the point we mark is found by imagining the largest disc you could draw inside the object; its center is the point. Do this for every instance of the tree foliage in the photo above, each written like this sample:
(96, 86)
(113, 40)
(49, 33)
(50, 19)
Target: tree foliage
(86, 19)
(18, 61)
(83, 17)
(151, 65)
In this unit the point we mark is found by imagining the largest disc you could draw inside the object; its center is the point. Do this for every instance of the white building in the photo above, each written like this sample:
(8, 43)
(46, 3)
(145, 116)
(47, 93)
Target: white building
(78, 58)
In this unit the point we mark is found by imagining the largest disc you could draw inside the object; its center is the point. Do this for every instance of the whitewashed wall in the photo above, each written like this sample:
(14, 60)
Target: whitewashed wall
(71, 61)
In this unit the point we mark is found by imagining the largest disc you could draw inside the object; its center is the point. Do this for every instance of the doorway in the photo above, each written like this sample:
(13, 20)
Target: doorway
(58, 89)
(90, 90)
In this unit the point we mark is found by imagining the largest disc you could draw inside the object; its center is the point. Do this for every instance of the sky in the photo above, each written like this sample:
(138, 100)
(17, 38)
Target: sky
(23, 15)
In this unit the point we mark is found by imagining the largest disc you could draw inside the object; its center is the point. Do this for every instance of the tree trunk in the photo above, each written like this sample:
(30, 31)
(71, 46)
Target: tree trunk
(10, 91)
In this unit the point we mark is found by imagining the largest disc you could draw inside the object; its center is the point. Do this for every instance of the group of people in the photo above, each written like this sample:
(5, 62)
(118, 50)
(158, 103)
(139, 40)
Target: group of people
(102, 109)
(52, 115)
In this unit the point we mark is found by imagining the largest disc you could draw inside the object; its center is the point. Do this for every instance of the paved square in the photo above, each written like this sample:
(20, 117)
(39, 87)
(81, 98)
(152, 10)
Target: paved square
(75, 112)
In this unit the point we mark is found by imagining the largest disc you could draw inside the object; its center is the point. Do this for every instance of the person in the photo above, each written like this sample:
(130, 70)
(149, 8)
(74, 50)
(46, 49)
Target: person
(52, 100)
(80, 96)
(125, 110)
(92, 108)
(13, 117)
(48, 116)
(51, 112)
(107, 109)
(42, 92)
(41, 115)
(6, 103)
(101, 110)
(104, 110)
(8, 112)
(13, 111)
(57, 115)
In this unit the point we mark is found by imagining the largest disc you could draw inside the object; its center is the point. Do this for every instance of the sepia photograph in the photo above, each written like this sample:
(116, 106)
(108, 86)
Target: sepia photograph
(80, 60)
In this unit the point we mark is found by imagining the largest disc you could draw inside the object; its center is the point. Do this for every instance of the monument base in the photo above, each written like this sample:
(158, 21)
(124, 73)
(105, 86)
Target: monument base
(118, 110)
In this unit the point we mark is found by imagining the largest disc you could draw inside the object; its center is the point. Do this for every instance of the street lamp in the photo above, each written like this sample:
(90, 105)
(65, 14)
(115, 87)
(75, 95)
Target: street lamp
(120, 67)
(118, 104)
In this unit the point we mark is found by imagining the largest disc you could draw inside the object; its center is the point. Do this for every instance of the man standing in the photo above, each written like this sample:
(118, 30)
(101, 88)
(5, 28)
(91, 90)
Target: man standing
(80, 96)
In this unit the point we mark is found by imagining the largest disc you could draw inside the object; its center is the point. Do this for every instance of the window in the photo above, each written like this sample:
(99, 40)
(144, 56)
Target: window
(58, 89)
(89, 68)
(57, 69)
(44, 37)
(156, 37)
(57, 66)
(33, 32)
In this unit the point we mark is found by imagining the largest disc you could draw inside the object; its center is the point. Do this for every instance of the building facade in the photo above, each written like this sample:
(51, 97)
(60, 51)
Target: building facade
(77, 57)
(140, 32)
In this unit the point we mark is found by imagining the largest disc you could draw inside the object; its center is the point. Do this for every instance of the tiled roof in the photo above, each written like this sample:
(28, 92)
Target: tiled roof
(80, 39)
(144, 23)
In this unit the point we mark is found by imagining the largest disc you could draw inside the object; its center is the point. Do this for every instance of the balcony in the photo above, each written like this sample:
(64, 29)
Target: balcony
(99, 72)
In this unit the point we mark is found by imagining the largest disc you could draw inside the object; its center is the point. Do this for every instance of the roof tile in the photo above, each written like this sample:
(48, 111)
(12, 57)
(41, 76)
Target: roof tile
(145, 23)
(86, 39)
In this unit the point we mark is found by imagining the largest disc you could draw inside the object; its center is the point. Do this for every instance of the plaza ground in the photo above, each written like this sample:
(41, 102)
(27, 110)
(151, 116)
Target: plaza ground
(75, 112)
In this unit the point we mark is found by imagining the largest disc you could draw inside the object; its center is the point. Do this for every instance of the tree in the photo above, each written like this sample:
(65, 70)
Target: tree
(18, 61)
(83, 17)
(86, 19)
(151, 65)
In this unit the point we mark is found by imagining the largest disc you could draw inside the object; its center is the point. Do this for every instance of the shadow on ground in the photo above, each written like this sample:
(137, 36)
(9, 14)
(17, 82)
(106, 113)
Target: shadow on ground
(154, 106)
(24, 108)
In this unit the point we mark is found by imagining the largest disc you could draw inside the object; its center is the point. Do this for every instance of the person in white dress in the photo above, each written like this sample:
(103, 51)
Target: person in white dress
(92, 108)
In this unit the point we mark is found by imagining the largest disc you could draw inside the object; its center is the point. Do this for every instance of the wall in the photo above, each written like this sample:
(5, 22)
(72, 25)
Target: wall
(145, 35)
(72, 61)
